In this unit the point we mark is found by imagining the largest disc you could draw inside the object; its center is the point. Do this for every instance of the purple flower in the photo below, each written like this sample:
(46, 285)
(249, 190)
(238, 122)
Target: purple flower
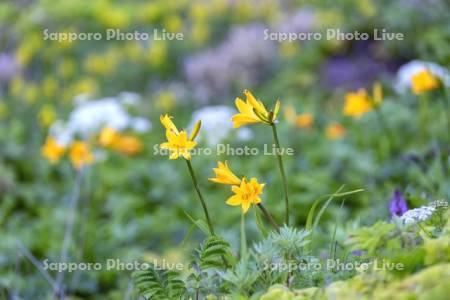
(397, 205)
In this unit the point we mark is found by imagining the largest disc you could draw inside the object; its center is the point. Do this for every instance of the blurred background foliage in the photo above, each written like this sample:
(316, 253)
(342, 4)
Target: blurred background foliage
(133, 206)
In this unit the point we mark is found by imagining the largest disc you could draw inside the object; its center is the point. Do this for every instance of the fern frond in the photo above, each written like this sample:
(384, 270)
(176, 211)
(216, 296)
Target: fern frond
(159, 284)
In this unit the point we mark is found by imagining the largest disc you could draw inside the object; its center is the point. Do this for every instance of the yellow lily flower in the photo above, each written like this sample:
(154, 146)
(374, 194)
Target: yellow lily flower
(304, 120)
(424, 81)
(253, 111)
(246, 194)
(51, 150)
(107, 137)
(166, 121)
(225, 175)
(335, 131)
(178, 142)
(357, 104)
(127, 144)
(80, 154)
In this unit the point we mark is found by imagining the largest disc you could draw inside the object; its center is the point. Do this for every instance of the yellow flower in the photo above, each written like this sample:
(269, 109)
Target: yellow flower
(166, 120)
(424, 81)
(335, 131)
(3, 110)
(246, 194)
(178, 142)
(52, 150)
(47, 115)
(127, 144)
(107, 137)
(304, 120)
(80, 154)
(253, 111)
(290, 114)
(357, 104)
(225, 175)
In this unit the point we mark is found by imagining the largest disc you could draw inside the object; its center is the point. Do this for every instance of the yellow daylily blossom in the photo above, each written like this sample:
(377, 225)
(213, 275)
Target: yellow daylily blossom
(52, 150)
(424, 81)
(166, 121)
(107, 137)
(304, 120)
(357, 104)
(178, 142)
(335, 131)
(246, 194)
(127, 144)
(80, 154)
(253, 111)
(225, 175)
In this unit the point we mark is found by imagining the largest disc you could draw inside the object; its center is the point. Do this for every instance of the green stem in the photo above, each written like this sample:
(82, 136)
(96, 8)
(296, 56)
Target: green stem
(447, 111)
(384, 127)
(243, 238)
(205, 209)
(283, 174)
(269, 217)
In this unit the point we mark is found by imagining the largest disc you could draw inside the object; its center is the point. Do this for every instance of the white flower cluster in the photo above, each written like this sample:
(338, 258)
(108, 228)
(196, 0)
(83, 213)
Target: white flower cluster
(90, 116)
(216, 124)
(417, 215)
(408, 70)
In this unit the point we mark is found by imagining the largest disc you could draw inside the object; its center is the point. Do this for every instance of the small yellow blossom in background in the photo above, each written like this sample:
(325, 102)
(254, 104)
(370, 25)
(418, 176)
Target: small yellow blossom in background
(253, 111)
(178, 142)
(85, 86)
(335, 131)
(3, 110)
(377, 93)
(288, 49)
(290, 114)
(424, 81)
(304, 120)
(47, 115)
(199, 32)
(31, 93)
(225, 175)
(66, 68)
(150, 12)
(107, 137)
(165, 100)
(16, 86)
(173, 23)
(49, 87)
(80, 154)
(157, 53)
(112, 17)
(51, 150)
(100, 64)
(246, 194)
(357, 104)
(127, 144)
(28, 48)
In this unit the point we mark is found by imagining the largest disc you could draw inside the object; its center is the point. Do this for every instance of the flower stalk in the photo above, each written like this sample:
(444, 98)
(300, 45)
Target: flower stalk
(269, 217)
(200, 196)
(283, 174)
